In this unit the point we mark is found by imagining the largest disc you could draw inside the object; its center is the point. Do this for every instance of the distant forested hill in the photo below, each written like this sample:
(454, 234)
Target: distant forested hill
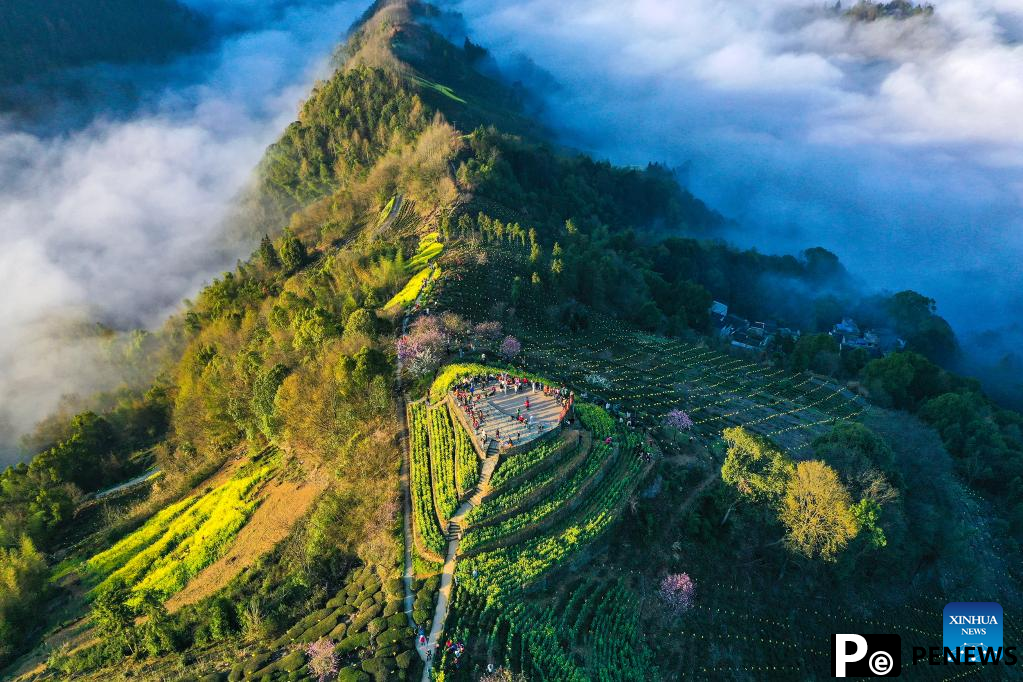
(37, 36)
(897, 9)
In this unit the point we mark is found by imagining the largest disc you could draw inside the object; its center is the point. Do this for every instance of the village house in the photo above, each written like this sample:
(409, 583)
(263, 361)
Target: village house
(876, 342)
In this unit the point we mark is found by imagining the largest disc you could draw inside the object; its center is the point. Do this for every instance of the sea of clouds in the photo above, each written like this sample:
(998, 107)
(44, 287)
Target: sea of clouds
(896, 144)
(119, 219)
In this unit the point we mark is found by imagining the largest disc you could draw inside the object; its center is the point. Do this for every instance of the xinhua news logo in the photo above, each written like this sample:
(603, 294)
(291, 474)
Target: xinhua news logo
(975, 628)
(866, 655)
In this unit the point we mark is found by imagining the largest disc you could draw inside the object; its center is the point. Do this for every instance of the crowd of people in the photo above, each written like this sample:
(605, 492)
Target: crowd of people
(456, 649)
(471, 394)
(450, 646)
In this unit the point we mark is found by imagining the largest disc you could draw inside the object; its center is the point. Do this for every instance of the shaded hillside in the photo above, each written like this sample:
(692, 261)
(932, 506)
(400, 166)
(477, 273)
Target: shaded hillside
(43, 35)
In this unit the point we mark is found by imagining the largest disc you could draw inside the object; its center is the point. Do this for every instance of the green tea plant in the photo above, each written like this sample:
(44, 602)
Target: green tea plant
(424, 517)
(442, 462)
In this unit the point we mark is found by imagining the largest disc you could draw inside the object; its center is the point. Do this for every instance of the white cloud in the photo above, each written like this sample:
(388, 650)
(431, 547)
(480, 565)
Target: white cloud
(899, 145)
(119, 221)
(749, 67)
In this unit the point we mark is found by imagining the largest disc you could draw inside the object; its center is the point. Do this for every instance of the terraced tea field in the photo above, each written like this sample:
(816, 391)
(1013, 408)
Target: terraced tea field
(647, 376)
(535, 511)
(363, 619)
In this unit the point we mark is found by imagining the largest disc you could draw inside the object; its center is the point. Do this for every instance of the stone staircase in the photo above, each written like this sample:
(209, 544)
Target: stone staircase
(454, 530)
(454, 536)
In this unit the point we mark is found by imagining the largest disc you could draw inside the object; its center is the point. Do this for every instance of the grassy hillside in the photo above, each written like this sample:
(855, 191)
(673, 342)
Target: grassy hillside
(425, 231)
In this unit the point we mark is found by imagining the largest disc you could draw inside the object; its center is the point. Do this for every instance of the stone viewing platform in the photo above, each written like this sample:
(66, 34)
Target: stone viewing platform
(500, 418)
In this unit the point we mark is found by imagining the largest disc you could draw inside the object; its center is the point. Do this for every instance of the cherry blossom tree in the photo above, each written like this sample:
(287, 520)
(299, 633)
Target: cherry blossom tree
(429, 333)
(423, 348)
(678, 592)
(424, 362)
(485, 332)
(408, 350)
(510, 347)
(322, 659)
(679, 420)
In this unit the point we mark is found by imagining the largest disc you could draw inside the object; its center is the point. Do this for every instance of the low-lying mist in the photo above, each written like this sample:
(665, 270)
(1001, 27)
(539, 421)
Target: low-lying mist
(896, 144)
(116, 219)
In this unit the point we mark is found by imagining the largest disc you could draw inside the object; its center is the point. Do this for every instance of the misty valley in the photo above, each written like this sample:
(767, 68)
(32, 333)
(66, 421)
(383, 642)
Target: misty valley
(509, 342)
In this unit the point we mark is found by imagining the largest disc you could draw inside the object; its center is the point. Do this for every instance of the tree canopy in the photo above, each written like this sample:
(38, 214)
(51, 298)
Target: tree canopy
(754, 466)
(817, 511)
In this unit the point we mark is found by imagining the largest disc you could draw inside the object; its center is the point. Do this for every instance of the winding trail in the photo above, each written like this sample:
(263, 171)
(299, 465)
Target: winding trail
(389, 220)
(447, 574)
(406, 492)
(406, 510)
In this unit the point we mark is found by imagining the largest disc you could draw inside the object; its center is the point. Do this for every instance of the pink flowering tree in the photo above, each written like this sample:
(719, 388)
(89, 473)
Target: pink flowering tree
(678, 592)
(422, 349)
(322, 659)
(417, 358)
(408, 349)
(510, 347)
(429, 333)
(487, 332)
(679, 420)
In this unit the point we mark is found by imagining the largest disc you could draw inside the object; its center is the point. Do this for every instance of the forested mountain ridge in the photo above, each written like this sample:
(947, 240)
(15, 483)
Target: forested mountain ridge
(420, 218)
(44, 35)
